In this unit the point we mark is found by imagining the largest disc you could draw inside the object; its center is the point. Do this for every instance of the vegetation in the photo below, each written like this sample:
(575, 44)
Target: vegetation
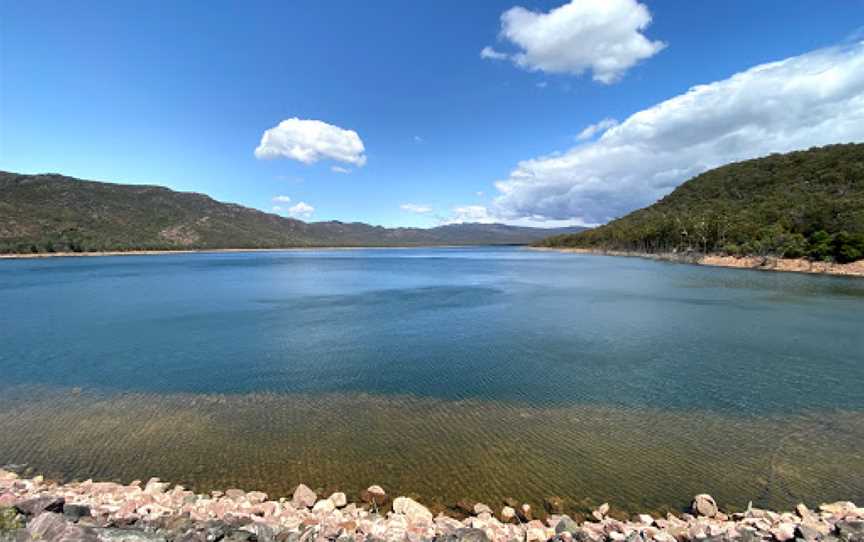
(53, 213)
(806, 204)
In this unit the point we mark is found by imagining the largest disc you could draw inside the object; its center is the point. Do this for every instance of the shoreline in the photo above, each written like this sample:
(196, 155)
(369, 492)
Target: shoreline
(88, 511)
(796, 265)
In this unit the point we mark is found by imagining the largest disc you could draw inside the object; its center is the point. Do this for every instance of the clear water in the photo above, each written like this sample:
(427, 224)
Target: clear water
(443, 373)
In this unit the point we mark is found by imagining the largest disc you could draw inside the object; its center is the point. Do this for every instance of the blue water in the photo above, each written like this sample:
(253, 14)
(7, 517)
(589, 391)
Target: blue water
(505, 324)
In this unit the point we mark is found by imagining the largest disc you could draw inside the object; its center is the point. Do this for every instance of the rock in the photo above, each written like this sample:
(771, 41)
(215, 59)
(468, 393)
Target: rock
(339, 499)
(462, 535)
(324, 506)
(74, 512)
(412, 510)
(839, 508)
(464, 507)
(256, 497)
(851, 531)
(554, 505)
(10, 519)
(481, 508)
(704, 505)
(807, 533)
(784, 532)
(374, 495)
(239, 536)
(508, 514)
(646, 519)
(566, 525)
(127, 535)
(600, 512)
(524, 513)
(47, 526)
(34, 507)
(234, 494)
(303, 497)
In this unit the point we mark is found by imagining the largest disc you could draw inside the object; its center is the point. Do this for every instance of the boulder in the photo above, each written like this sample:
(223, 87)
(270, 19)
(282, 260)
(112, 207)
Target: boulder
(339, 499)
(47, 526)
(600, 512)
(463, 535)
(412, 510)
(34, 507)
(524, 513)
(704, 505)
(303, 497)
(74, 512)
(374, 495)
(851, 531)
(784, 532)
(464, 507)
(508, 514)
(324, 506)
(481, 508)
(566, 525)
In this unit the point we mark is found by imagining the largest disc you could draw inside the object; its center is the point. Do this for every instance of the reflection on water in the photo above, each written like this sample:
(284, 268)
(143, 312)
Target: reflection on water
(437, 450)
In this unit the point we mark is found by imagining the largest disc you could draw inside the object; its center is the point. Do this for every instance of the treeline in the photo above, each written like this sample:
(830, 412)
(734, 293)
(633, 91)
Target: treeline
(806, 204)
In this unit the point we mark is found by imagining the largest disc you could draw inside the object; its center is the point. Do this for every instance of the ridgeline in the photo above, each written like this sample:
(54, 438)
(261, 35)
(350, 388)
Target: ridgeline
(53, 213)
(805, 204)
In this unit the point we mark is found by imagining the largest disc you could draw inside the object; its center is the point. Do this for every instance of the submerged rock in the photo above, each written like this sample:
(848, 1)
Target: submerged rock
(554, 505)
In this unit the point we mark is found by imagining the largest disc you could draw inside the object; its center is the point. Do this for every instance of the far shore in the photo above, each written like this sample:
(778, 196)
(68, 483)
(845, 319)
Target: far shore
(796, 265)
(37, 255)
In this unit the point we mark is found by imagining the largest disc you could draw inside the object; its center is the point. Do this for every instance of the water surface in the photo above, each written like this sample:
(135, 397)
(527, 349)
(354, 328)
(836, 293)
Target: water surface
(442, 373)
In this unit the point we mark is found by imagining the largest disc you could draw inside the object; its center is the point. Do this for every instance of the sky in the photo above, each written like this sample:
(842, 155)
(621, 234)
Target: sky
(420, 113)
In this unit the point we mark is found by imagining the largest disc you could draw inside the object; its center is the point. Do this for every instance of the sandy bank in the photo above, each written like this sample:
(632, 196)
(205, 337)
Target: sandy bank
(799, 265)
(35, 509)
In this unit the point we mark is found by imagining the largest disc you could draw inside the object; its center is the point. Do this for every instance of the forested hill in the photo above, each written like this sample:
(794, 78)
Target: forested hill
(802, 204)
(53, 213)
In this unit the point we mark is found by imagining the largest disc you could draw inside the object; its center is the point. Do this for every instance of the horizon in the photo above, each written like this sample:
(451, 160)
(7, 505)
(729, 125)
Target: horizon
(580, 135)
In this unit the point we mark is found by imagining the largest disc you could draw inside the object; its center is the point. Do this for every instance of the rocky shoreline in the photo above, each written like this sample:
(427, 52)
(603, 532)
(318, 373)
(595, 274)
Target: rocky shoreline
(766, 263)
(35, 509)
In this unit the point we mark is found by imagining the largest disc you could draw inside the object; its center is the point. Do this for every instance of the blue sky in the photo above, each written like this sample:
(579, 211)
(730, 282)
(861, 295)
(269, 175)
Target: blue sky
(181, 93)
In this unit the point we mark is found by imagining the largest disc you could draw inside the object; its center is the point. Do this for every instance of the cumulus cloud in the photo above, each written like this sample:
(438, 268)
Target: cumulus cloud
(415, 208)
(281, 199)
(803, 101)
(301, 210)
(309, 141)
(340, 169)
(601, 36)
(597, 128)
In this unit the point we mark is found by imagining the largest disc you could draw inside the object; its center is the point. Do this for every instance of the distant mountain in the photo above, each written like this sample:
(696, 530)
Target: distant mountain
(54, 213)
(801, 204)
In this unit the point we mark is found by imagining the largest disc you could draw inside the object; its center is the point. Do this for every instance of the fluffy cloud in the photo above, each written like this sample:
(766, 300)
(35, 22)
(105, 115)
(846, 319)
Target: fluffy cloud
(601, 36)
(301, 210)
(281, 199)
(340, 169)
(415, 208)
(309, 141)
(804, 101)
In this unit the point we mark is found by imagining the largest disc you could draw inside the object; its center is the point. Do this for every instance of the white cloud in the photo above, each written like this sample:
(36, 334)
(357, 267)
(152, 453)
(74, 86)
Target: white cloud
(601, 36)
(597, 128)
(809, 100)
(340, 169)
(480, 194)
(301, 210)
(469, 213)
(281, 199)
(309, 141)
(491, 54)
(415, 208)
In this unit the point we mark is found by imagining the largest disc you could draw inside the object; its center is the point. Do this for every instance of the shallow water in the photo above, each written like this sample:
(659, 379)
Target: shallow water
(441, 373)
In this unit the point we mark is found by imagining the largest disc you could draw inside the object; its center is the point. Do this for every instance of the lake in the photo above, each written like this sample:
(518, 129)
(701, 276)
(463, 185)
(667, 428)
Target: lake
(441, 373)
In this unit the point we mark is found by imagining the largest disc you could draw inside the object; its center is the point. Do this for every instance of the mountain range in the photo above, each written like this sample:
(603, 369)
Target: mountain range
(54, 213)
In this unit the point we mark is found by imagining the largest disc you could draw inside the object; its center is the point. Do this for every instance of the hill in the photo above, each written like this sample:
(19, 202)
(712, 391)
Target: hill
(54, 213)
(801, 204)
